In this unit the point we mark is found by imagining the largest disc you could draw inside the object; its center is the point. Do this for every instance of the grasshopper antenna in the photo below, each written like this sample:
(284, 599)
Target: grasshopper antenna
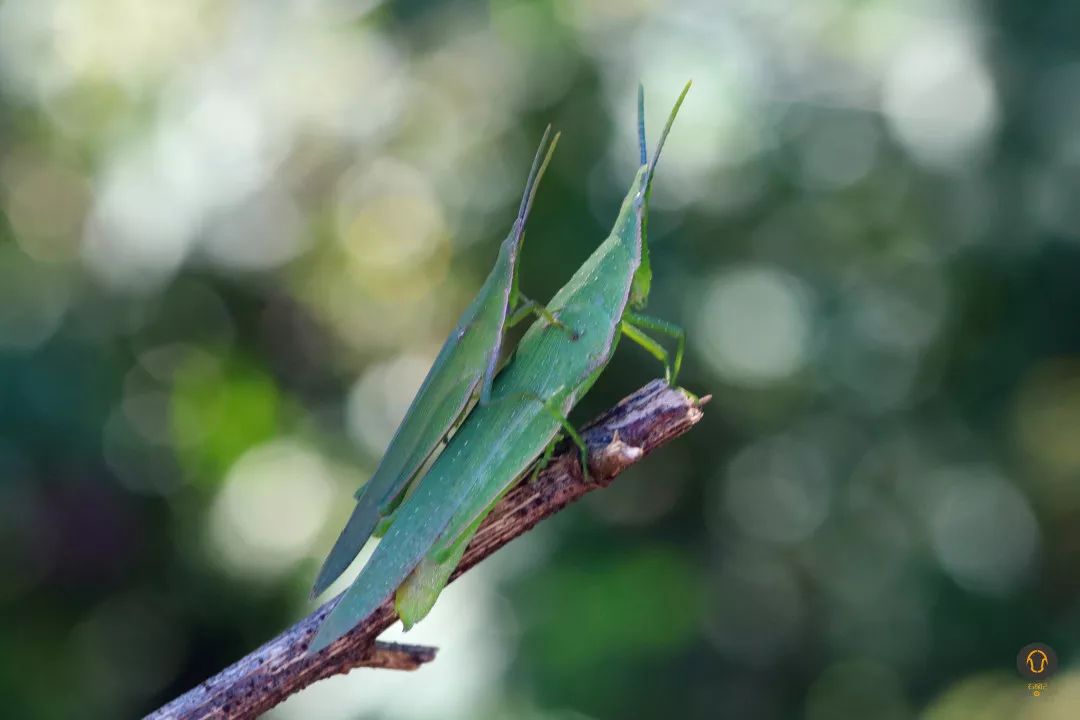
(540, 163)
(664, 134)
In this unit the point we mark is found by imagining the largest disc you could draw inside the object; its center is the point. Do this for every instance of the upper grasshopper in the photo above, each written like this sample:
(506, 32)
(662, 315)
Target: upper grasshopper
(494, 447)
(463, 370)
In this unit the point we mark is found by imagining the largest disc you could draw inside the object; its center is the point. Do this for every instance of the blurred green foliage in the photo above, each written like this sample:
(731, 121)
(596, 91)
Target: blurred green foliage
(232, 235)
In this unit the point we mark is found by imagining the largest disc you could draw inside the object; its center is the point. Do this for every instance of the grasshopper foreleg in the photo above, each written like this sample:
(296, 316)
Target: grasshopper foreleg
(531, 307)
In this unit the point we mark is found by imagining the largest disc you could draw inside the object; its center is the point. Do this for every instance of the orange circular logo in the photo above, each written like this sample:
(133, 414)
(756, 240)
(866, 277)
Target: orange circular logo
(1036, 661)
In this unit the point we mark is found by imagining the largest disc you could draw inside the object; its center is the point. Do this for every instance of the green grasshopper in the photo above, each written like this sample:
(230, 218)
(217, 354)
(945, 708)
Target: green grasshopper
(496, 444)
(464, 368)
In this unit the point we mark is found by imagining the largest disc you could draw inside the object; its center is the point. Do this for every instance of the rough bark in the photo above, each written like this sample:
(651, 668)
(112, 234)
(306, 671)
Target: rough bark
(645, 420)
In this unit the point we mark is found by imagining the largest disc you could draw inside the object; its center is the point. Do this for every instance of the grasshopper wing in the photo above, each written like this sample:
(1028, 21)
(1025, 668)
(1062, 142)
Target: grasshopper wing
(384, 490)
(465, 364)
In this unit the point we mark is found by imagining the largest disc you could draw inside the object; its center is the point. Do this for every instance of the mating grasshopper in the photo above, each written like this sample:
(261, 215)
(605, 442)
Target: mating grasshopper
(495, 445)
(463, 370)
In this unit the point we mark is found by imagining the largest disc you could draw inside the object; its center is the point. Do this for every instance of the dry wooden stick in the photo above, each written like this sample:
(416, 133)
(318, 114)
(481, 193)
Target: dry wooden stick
(645, 420)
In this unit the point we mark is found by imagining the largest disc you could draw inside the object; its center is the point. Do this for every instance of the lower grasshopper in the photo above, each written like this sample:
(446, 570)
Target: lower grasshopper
(531, 397)
(463, 370)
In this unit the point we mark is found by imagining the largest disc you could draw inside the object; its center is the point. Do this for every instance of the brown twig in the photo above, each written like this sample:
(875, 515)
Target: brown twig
(645, 420)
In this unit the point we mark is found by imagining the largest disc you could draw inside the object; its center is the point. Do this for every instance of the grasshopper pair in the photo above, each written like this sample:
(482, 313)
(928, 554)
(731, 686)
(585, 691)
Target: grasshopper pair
(427, 520)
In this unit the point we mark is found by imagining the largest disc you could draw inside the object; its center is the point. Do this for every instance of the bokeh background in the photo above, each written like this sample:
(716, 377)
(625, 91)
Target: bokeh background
(234, 233)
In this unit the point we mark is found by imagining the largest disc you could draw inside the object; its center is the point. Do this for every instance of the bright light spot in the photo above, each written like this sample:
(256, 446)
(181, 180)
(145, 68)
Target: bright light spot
(939, 99)
(875, 350)
(1047, 414)
(903, 311)
(379, 399)
(46, 46)
(1056, 119)
(859, 563)
(838, 151)
(756, 611)
(715, 125)
(719, 125)
(45, 204)
(1052, 190)
(778, 490)
(349, 84)
(138, 465)
(982, 529)
(388, 216)
(139, 229)
(268, 515)
(754, 325)
(33, 300)
(128, 648)
(27, 63)
(857, 689)
(122, 40)
(878, 377)
(148, 414)
(638, 499)
(524, 27)
(394, 231)
(993, 696)
(597, 15)
(155, 194)
(222, 145)
(262, 232)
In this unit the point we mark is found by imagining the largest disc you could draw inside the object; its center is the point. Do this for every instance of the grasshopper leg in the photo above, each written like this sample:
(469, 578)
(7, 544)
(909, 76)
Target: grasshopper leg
(654, 348)
(524, 310)
(633, 326)
(568, 428)
(544, 459)
(572, 433)
(531, 307)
